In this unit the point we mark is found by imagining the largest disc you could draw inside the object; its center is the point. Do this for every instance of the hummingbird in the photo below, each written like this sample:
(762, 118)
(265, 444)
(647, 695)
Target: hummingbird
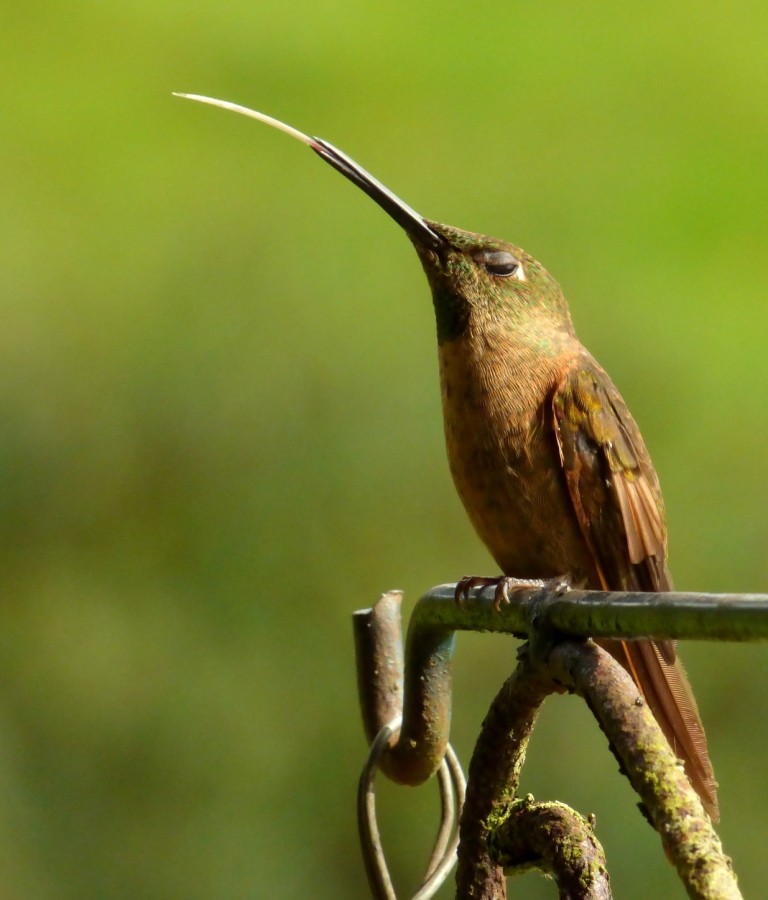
(544, 453)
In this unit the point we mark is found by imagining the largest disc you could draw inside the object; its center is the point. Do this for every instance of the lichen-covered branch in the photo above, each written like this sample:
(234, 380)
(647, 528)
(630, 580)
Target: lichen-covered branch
(494, 774)
(654, 771)
(556, 840)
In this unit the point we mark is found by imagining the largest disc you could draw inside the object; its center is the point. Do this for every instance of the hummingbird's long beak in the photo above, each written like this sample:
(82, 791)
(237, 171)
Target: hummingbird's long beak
(415, 226)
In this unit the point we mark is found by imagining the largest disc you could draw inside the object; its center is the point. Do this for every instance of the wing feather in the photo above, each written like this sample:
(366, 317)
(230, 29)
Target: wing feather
(617, 501)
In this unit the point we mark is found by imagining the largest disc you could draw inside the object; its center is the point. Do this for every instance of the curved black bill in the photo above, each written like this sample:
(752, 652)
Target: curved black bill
(407, 218)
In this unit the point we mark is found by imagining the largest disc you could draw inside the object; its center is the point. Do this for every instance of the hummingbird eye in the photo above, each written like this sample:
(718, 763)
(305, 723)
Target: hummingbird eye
(500, 263)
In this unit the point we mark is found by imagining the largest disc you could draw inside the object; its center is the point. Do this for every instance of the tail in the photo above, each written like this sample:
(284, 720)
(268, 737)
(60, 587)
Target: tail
(663, 683)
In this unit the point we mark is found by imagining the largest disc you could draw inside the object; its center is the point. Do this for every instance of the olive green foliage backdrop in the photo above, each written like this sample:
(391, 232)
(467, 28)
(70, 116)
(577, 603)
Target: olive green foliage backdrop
(219, 417)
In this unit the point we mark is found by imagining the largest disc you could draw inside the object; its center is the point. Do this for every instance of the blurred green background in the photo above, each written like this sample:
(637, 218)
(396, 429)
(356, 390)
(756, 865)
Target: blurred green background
(220, 429)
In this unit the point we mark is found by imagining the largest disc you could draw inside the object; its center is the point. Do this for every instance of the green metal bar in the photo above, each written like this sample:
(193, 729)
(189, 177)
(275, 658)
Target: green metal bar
(420, 687)
(601, 614)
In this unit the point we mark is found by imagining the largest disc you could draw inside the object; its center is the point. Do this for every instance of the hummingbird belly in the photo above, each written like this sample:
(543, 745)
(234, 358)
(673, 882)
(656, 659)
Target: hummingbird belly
(519, 507)
(505, 463)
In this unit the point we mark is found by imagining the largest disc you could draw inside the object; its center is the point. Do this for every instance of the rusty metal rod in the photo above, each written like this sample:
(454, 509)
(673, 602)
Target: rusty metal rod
(419, 688)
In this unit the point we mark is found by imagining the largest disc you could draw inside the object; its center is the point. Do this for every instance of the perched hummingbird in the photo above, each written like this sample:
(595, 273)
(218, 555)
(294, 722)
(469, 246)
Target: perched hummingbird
(544, 453)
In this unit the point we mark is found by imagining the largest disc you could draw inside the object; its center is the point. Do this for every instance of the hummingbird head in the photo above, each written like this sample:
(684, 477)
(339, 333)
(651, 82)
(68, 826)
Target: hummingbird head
(479, 281)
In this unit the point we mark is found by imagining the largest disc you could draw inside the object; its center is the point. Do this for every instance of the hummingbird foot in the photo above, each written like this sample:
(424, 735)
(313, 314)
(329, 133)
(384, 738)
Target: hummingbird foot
(506, 584)
(465, 585)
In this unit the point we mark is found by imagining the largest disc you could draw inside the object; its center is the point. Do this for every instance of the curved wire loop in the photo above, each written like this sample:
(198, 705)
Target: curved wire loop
(452, 792)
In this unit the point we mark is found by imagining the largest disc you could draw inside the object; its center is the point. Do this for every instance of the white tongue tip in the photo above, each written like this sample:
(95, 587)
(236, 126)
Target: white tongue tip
(251, 113)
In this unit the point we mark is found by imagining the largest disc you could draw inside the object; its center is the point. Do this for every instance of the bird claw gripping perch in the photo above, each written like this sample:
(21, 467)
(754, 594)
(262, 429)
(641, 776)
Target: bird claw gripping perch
(506, 584)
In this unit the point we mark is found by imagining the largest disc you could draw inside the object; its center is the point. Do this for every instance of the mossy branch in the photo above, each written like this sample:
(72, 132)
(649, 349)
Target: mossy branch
(555, 840)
